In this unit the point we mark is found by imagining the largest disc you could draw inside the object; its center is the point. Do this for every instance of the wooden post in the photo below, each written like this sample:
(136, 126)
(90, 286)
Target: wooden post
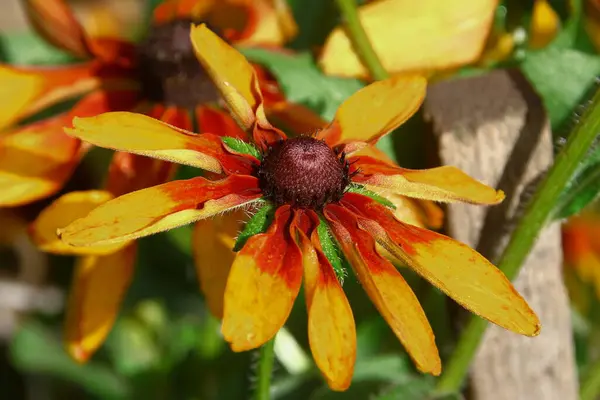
(494, 128)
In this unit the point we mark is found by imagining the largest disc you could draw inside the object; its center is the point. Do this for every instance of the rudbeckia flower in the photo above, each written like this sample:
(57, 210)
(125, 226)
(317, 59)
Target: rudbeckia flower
(158, 76)
(313, 193)
(161, 78)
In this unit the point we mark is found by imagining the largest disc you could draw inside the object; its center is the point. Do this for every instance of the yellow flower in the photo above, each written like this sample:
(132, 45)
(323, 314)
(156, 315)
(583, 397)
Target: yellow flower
(312, 186)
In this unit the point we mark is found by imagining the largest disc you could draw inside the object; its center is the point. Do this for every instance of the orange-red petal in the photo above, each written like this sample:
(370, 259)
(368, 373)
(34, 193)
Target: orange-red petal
(453, 267)
(160, 208)
(129, 172)
(212, 247)
(331, 328)
(263, 283)
(387, 289)
(55, 21)
(213, 120)
(98, 288)
(376, 109)
(445, 184)
(140, 134)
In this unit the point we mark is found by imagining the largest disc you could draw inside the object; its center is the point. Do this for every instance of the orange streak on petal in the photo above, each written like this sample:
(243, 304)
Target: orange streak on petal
(453, 267)
(98, 289)
(387, 289)
(217, 122)
(159, 208)
(263, 283)
(331, 329)
(177, 117)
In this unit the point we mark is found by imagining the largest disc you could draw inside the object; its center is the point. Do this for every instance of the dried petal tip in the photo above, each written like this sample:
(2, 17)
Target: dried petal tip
(303, 172)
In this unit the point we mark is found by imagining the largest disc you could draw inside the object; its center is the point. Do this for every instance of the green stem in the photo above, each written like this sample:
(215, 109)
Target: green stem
(590, 387)
(525, 235)
(264, 371)
(360, 41)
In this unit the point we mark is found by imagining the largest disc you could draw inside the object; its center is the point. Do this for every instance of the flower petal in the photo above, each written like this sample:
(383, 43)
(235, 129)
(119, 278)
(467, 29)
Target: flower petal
(387, 289)
(270, 23)
(98, 288)
(376, 109)
(17, 89)
(453, 267)
(55, 21)
(213, 242)
(445, 184)
(545, 24)
(28, 171)
(62, 212)
(414, 36)
(231, 72)
(139, 134)
(130, 172)
(159, 208)
(331, 329)
(263, 283)
(215, 121)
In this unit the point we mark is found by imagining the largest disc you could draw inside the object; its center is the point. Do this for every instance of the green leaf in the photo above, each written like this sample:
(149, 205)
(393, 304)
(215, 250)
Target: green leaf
(418, 388)
(303, 82)
(239, 146)
(356, 188)
(332, 251)
(563, 72)
(582, 190)
(29, 49)
(35, 349)
(315, 19)
(259, 223)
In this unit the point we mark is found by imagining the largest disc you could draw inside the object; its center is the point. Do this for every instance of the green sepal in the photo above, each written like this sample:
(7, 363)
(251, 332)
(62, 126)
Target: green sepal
(360, 189)
(239, 146)
(332, 251)
(259, 223)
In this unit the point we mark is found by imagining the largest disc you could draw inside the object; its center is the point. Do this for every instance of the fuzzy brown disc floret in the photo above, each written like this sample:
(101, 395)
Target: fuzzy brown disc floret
(303, 172)
(169, 70)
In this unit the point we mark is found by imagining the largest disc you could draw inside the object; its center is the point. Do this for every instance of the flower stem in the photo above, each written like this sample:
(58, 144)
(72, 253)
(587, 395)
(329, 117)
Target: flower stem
(360, 41)
(590, 386)
(264, 371)
(523, 238)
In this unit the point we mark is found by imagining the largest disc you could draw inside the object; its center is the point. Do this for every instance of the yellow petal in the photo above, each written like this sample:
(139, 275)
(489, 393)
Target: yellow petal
(264, 281)
(55, 21)
(331, 329)
(387, 289)
(98, 289)
(273, 23)
(139, 134)
(413, 35)
(230, 71)
(17, 90)
(453, 267)
(159, 208)
(213, 242)
(62, 212)
(35, 161)
(545, 23)
(445, 184)
(376, 110)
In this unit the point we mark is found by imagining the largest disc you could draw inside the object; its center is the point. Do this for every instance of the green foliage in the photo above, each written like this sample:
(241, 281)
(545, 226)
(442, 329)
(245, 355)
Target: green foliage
(259, 223)
(302, 81)
(239, 146)
(27, 48)
(360, 189)
(332, 251)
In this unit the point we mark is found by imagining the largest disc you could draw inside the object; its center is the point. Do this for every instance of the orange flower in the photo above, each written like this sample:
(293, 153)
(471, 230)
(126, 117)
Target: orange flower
(310, 187)
(158, 77)
(161, 79)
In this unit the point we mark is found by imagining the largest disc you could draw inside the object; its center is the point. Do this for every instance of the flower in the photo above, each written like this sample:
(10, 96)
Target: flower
(156, 79)
(158, 76)
(318, 191)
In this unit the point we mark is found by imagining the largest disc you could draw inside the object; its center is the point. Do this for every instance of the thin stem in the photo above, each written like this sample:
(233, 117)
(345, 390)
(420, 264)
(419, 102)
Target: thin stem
(264, 371)
(525, 235)
(360, 41)
(590, 387)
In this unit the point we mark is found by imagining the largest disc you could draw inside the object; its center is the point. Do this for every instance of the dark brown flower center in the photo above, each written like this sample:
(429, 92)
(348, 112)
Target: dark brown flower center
(304, 172)
(168, 69)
